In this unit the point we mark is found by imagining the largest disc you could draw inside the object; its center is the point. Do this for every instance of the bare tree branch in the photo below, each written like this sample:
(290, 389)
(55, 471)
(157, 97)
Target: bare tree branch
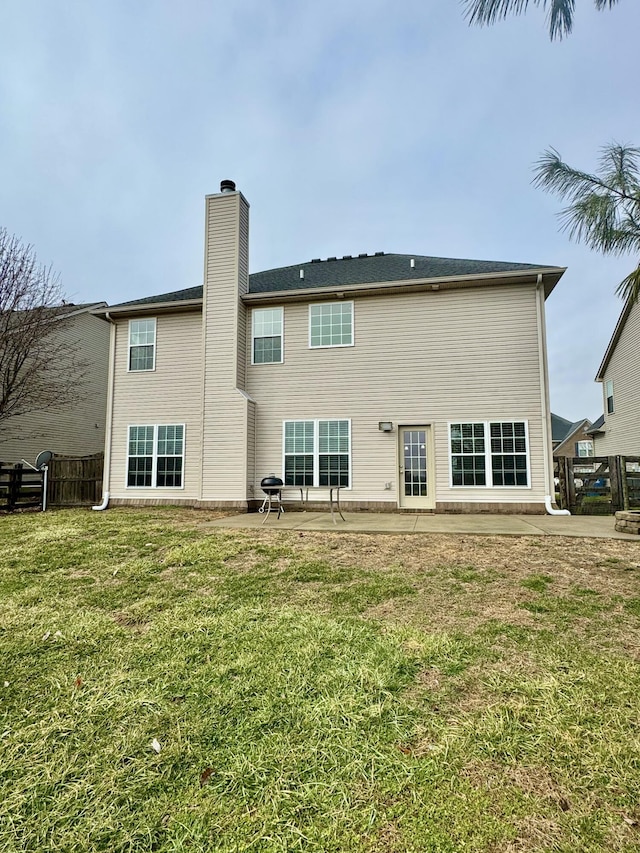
(39, 368)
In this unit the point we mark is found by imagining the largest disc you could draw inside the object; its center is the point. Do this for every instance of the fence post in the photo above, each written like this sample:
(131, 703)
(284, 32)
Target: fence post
(614, 480)
(15, 485)
(571, 486)
(624, 485)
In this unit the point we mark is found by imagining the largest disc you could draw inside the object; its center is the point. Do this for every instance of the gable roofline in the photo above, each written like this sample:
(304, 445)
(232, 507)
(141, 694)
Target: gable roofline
(615, 337)
(597, 427)
(577, 427)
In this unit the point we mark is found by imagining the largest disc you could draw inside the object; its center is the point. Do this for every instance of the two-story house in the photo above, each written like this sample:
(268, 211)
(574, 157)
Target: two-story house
(413, 382)
(617, 432)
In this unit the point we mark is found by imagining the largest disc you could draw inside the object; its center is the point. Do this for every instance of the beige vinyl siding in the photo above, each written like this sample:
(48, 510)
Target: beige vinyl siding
(419, 359)
(171, 394)
(225, 407)
(622, 427)
(68, 430)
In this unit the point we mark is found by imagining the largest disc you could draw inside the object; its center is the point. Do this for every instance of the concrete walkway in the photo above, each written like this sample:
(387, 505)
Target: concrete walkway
(486, 524)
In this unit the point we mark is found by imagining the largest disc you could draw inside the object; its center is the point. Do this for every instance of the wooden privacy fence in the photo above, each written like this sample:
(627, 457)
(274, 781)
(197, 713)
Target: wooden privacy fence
(75, 480)
(599, 485)
(20, 487)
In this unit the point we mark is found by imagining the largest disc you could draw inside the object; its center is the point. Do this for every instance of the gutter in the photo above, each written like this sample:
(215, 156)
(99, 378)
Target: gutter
(108, 426)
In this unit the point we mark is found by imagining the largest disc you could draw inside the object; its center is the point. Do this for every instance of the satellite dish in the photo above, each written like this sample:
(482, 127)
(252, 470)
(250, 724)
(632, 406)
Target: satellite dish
(43, 458)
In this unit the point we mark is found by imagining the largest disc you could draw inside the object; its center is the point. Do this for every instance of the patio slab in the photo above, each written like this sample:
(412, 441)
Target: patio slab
(486, 524)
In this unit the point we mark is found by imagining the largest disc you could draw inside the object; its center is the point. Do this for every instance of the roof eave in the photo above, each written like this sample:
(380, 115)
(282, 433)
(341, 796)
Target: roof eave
(550, 277)
(150, 308)
(615, 337)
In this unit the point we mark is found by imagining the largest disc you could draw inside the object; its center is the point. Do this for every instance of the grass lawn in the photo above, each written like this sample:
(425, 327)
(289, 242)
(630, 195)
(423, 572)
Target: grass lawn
(171, 687)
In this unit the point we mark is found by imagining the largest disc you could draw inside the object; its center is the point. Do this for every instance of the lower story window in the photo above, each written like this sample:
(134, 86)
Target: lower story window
(493, 453)
(317, 453)
(155, 456)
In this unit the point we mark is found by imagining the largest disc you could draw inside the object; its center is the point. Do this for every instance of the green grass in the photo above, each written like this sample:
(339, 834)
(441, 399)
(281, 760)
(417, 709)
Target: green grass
(312, 693)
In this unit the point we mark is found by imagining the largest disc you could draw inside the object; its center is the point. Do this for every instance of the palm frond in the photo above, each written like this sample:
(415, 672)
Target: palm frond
(560, 13)
(629, 287)
(603, 209)
(489, 11)
(560, 18)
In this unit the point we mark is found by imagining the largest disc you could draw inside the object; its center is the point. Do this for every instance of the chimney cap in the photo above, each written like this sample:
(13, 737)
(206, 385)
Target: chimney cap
(227, 186)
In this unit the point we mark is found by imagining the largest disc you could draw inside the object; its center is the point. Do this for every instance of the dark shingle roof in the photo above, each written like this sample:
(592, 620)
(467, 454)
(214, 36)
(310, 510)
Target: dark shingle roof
(596, 426)
(372, 268)
(360, 269)
(560, 427)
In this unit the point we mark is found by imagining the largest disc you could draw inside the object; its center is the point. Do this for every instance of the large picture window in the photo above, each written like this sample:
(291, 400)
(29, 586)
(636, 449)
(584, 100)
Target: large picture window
(142, 344)
(489, 453)
(317, 453)
(155, 457)
(266, 335)
(331, 324)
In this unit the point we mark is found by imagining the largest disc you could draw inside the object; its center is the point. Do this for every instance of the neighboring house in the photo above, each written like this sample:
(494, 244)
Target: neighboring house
(71, 429)
(618, 432)
(414, 382)
(571, 439)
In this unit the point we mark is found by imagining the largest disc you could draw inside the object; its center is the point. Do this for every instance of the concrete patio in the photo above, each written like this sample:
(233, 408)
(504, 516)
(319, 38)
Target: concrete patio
(486, 524)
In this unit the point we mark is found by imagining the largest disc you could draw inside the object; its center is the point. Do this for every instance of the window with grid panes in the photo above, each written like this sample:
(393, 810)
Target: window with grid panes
(266, 335)
(509, 453)
(155, 456)
(468, 454)
(331, 324)
(317, 453)
(142, 344)
(493, 453)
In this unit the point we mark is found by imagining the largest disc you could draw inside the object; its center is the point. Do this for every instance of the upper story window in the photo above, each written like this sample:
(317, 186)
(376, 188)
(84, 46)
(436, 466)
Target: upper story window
(489, 453)
(142, 344)
(266, 335)
(609, 395)
(331, 324)
(584, 448)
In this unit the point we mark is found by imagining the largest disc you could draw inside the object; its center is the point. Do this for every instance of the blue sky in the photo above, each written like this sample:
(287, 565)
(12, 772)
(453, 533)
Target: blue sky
(350, 127)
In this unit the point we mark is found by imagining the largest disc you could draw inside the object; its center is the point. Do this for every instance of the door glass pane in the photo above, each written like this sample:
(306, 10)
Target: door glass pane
(415, 463)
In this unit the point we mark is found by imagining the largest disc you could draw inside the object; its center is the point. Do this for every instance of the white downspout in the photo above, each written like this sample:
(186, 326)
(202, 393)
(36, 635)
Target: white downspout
(547, 452)
(107, 437)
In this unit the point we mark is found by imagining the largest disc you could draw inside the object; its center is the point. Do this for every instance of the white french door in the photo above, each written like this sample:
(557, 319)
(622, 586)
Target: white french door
(415, 480)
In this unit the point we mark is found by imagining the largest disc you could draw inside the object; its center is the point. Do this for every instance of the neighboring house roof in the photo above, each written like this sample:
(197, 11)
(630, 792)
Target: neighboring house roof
(622, 319)
(364, 269)
(597, 426)
(560, 428)
(577, 428)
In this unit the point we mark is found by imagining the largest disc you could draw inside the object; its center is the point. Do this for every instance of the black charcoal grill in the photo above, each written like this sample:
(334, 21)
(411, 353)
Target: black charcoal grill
(272, 487)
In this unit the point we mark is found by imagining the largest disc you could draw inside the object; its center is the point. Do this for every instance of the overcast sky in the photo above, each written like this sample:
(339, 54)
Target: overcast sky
(353, 126)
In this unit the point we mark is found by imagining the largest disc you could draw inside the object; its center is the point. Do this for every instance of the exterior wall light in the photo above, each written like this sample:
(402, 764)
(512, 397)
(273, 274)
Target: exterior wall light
(385, 426)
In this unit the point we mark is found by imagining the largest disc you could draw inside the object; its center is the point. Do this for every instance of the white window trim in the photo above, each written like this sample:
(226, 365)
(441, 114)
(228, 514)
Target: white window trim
(316, 452)
(253, 336)
(487, 451)
(609, 382)
(353, 327)
(154, 461)
(129, 345)
(589, 446)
